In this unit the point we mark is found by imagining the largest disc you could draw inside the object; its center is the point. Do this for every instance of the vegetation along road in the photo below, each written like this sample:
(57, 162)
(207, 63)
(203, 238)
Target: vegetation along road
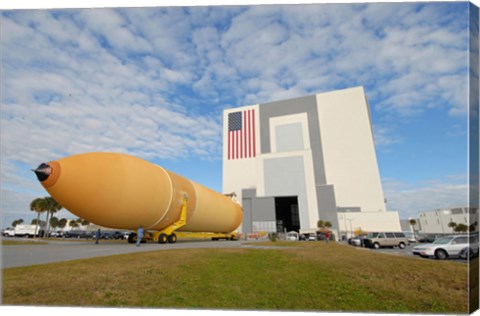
(308, 276)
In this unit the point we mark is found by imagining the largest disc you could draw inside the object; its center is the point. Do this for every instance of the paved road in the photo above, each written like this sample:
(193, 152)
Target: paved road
(55, 251)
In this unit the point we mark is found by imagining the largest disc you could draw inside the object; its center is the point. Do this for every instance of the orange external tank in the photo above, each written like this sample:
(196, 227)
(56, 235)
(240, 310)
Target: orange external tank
(123, 192)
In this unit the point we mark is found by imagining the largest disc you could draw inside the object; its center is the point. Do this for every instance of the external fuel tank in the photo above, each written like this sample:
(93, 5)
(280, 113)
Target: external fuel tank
(123, 192)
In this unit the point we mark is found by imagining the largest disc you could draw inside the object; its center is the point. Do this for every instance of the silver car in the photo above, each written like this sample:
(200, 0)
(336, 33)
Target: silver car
(445, 247)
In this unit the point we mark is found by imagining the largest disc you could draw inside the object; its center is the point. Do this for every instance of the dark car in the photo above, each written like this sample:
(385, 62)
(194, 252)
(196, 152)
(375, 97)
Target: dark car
(358, 241)
(107, 235)
(77, 234)
(118, 235)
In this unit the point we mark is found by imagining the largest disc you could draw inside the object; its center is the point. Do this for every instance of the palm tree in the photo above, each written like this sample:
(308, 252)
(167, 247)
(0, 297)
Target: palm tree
(62, 223)
(73, 223)
(453, 226)
(52, 207)
(38, 205)
(54, 222)
(17, 222)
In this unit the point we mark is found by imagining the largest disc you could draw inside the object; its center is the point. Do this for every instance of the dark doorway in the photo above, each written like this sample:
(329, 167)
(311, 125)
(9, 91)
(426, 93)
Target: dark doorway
(286, 214)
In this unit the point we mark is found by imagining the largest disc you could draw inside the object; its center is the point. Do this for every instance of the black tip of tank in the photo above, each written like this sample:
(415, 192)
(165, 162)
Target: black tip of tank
(42, 172)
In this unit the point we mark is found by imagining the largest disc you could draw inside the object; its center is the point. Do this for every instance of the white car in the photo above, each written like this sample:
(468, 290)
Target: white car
(445, 247)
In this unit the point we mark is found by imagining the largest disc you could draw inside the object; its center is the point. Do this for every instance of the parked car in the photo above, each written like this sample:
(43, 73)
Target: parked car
(386, 239)
(78, 234)
(358, 241)
(427, 239)
(447, 247)
(293, 235)
(107, 235)
(469, 252)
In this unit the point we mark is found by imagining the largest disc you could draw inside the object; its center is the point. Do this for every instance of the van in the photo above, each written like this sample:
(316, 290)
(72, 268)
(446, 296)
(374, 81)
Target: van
(386, 239)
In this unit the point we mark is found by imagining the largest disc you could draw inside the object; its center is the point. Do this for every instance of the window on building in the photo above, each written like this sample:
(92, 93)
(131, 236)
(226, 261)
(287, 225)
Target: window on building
(457, 210)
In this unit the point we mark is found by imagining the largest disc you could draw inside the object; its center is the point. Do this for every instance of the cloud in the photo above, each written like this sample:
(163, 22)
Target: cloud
(410, 199)
(154, 81)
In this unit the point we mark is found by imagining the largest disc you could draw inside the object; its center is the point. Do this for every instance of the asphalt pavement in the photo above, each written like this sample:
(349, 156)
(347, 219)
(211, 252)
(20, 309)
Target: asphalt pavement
(55, 251)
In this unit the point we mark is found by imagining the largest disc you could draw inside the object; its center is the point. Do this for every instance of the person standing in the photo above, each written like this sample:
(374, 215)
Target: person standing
(97, 236)
(327, 237)
(139, 235)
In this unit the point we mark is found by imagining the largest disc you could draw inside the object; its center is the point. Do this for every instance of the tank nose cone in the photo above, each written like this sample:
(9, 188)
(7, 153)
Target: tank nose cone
(43, 171)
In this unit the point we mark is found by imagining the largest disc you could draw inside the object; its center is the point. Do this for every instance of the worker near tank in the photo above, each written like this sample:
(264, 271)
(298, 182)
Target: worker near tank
(139, 235)
(97, 236)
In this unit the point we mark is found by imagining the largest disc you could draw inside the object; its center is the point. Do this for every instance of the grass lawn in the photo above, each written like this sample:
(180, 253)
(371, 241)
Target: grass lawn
(312, 276)
(27, 242)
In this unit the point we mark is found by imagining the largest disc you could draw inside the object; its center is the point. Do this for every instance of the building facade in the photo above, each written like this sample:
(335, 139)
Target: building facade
(294, 162)
(437, 221)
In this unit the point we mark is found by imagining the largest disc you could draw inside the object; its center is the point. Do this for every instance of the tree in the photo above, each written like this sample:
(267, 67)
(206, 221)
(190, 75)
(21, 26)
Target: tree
(82, 221)
(54, 222)
(73, 223)
(320, 223)
(453, 226)
(472, 227)
(17, 222)
(328, 224)
(62, 223)
(52, 206)
(35, 221)
(38, 205)
(461, 228)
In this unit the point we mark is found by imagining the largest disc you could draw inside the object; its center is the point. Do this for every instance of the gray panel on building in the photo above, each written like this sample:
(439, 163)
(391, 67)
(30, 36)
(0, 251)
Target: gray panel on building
(263, 209)
(327, 205)
(286, 177)
(289, 137)
(306, 105)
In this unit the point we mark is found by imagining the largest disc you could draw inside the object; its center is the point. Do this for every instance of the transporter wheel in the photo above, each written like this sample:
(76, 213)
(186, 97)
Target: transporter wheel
(401, 245)
(162, 239)
(172, 239)
(131, 238)
(376, 245)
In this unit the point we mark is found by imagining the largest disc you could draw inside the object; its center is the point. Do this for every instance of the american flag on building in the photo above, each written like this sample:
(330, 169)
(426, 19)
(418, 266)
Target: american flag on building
(241, 135)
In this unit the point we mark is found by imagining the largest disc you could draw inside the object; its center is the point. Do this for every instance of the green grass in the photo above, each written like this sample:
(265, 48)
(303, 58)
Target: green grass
(27, 242)
(308, 277)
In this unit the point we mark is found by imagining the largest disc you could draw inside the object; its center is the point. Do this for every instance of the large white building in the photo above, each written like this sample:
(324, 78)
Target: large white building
(296, 161)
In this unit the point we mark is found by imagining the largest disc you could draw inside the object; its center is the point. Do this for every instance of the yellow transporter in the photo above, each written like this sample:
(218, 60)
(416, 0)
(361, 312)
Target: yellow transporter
(123, 192)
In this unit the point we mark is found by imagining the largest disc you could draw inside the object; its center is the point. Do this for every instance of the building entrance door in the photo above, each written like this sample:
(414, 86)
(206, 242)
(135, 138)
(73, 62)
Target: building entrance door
(286, 214)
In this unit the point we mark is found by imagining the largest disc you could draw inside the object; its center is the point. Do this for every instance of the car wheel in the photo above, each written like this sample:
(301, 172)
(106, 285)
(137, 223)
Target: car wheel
(401, 245)
(376, 245)
(441, 254)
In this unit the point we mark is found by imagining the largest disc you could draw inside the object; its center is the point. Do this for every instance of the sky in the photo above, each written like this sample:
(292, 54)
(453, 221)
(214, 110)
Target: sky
(153, 82)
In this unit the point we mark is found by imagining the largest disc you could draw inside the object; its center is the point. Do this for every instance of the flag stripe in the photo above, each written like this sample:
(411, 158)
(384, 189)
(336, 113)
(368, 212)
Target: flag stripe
(241, 135)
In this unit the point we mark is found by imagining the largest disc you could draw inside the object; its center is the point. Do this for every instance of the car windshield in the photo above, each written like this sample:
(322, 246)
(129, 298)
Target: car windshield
(443, 241)
(372, 235)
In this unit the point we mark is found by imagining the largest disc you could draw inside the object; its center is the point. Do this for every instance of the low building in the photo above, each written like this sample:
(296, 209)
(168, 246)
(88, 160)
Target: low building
(437, 221)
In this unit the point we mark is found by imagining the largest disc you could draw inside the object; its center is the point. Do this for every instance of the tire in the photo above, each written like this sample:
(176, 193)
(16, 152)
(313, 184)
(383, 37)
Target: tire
(401, 245)
(441, 254)
(162, 239)
(376, 245)
(131, 238)
(172, 239)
